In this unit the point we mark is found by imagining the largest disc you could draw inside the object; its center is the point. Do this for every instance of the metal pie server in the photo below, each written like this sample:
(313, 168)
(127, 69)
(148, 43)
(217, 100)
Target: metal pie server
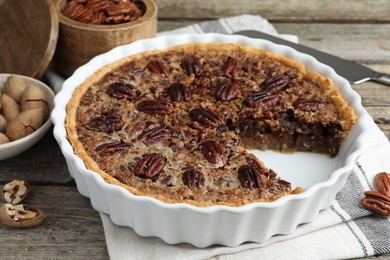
(350, 70)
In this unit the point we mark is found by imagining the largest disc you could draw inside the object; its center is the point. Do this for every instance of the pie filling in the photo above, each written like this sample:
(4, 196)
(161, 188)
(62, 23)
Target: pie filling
(175, 124)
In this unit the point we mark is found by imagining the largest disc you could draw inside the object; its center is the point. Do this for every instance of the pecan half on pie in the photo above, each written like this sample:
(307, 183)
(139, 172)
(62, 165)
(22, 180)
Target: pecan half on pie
(175, 124)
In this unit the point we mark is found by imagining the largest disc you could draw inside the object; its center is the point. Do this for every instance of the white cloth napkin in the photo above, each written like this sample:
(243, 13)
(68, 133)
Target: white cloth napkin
(345, 230)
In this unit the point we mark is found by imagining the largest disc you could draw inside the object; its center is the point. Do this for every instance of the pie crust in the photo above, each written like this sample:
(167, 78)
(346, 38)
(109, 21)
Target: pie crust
(174, 124)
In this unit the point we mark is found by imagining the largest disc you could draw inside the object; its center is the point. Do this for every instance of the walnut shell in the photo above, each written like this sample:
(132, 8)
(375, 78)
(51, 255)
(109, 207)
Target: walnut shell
(21, 215)
(33, 97)
(10, 108)
(14, 87)
(24, 124)
(4, 139)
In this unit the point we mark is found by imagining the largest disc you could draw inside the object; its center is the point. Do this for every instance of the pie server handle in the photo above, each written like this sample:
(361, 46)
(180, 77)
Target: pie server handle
(382, 78)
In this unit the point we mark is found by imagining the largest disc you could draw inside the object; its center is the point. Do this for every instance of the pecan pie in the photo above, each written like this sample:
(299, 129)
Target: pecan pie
(175, 124)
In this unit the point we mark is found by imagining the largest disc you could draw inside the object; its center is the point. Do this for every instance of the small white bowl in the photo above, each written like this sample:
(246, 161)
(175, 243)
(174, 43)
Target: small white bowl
(16, 147)
(322, 177)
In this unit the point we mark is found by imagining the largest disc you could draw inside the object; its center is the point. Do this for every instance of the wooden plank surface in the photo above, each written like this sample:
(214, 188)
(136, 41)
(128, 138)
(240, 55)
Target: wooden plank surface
(43, 164)
(286, 11)
(73, 228)
(364, 43)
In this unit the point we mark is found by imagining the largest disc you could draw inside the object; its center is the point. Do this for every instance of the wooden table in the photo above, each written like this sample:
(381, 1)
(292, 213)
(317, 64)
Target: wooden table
(356, 30)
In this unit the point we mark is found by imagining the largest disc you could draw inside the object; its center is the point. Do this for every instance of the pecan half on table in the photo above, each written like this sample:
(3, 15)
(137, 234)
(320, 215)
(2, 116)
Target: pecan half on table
(379, 201)
(382, 183)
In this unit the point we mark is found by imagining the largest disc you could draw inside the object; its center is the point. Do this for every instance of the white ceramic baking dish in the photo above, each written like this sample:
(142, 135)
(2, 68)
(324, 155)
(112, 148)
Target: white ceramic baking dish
(321, 176)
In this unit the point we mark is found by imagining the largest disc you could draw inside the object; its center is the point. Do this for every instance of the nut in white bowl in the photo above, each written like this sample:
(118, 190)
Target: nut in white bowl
(223, 225)
(15, 147)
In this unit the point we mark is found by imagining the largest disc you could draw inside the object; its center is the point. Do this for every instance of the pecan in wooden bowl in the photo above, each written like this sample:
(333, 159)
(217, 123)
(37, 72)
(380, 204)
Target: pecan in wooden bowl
(90, 27)
(159, 139)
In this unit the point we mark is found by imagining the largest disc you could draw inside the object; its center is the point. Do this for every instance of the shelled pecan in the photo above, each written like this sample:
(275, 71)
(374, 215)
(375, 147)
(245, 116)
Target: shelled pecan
(158, 68)
(231, 68)
(191, 65)
(226, 91)
(382, 183)
(118, 147)
(155, 135)
(178, 92)
(102, 11)
(250, 178)
(214, 153)
(275, 84)
(193, 178)
(149, 166)
(158, 107)
(309, 104)
(379, 201)
(206, 117)
(108, 122)
(262, 99)
(122, 90)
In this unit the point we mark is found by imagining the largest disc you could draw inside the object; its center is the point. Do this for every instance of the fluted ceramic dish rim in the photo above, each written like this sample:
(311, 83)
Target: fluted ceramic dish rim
(180, 222)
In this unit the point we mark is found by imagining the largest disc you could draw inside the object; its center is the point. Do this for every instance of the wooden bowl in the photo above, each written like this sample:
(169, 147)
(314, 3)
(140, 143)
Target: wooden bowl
(79, 42)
